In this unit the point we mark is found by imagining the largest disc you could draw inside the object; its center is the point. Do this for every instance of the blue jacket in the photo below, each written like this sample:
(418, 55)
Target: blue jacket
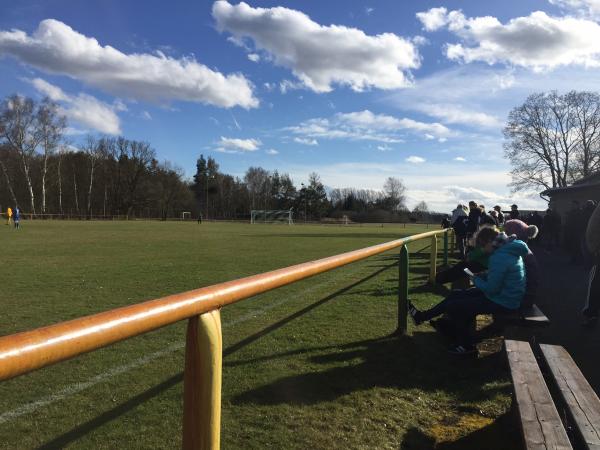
(505, 282)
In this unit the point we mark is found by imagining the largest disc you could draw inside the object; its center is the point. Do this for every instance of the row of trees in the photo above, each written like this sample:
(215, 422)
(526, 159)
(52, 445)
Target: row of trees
(553, 140)
(224, 196)
(110, 176)
(105, 176)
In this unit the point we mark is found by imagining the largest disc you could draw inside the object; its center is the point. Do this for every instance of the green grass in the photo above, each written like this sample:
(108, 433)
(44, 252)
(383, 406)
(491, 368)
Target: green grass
(311, 365)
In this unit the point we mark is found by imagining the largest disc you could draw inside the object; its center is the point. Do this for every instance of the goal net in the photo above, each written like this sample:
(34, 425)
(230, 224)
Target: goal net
(271, 216)
(186, 215)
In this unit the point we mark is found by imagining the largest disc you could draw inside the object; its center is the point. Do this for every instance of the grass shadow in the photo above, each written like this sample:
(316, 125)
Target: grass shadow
(401, 363)
(87, 427)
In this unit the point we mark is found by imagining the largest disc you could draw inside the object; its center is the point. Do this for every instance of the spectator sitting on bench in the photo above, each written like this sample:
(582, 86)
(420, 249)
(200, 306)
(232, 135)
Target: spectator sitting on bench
(500, 290)
(524, 233)
(476, 261)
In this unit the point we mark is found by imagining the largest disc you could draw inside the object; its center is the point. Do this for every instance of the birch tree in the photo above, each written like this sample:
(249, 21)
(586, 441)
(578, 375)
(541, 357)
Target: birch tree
(50, 127)
(19, 129)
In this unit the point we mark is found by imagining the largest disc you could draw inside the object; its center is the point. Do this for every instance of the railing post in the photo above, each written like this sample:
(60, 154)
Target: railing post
(202, 383)
(452, 241)
(402, 290)
(433, 259)
(446, 248)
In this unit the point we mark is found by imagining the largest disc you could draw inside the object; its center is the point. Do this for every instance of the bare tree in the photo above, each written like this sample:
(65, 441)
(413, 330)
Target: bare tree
(420, 208)
(586, 122)
(7, 175)
(553, 139)
(394, 190)
(91, 150)
(19, 129)
(50, 128)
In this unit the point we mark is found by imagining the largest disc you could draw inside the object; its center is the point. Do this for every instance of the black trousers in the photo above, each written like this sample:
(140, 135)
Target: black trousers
(462, 306)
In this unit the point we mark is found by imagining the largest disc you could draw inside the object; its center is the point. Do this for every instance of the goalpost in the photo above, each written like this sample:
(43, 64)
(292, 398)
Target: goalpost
(271, 216)
(186, 215)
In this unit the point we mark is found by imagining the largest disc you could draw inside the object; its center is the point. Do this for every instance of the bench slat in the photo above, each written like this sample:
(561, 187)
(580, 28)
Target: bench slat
(582, 402)
(541, 424)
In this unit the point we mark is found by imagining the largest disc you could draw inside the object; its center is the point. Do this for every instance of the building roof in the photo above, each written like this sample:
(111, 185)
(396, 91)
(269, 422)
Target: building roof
(590, 181)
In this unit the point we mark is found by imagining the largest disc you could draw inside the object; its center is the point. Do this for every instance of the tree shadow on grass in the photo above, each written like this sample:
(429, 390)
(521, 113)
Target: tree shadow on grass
(418, 362)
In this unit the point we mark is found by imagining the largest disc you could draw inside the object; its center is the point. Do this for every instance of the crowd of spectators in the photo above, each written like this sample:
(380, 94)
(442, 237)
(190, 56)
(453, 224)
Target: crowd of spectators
(497, 270)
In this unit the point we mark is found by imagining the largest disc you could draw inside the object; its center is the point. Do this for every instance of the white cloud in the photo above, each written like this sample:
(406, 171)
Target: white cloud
(56, 48)
(287, 85)
(415, 160)
(318, 55)
(365, 125)
(254, 57)
(146, 115)
(272, 151)
(434, 19)
(368, 120)
(457, 114)
(583, 8)
(233, 145)
(306, 141)
(82, 108)
(384, 148)
(537, 41)
(369, 10)
(460, 159)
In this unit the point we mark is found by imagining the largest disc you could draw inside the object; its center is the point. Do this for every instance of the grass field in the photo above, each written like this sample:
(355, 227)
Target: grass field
(311, 365)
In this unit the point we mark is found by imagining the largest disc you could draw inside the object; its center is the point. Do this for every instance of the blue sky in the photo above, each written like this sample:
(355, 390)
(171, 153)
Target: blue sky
(355, 91)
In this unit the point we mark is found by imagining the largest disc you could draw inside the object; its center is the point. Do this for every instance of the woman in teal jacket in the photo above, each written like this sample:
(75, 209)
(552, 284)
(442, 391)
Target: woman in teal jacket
(499, 290)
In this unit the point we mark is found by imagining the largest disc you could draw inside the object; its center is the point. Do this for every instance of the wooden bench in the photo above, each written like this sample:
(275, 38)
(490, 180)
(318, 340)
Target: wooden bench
(578, 399)
(532, 316)
(541, 424)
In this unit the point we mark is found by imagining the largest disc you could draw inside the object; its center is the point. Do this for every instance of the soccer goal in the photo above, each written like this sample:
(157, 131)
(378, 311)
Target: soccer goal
(186, 215)
(271, 216)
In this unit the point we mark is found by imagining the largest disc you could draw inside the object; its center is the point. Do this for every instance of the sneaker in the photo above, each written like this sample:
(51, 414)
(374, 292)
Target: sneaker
(414, 313)
(463, 350)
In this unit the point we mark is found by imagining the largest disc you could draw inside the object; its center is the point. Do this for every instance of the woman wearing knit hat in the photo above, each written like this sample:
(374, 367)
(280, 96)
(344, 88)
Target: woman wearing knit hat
(500, 290)
(592, 237)
(524, 232)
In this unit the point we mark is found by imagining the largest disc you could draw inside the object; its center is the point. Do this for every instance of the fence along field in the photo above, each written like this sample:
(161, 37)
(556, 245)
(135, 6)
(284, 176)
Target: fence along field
(105, 265)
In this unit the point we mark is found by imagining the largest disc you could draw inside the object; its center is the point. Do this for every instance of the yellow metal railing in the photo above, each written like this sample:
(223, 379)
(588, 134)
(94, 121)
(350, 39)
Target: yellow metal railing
(31, 350)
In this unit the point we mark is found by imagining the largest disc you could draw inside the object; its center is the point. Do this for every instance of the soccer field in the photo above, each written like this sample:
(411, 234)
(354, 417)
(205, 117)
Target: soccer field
(310, 365)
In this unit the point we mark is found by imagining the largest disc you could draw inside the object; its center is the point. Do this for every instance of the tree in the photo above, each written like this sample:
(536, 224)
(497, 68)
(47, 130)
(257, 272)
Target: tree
(257, 182)
(421, 208)
(553, 139)
(313, 197)
(394, 190)
(19, 129)
(50, 126)
(587, 128)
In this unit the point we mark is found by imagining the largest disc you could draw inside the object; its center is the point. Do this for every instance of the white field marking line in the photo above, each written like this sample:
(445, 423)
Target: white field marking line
(75, 388)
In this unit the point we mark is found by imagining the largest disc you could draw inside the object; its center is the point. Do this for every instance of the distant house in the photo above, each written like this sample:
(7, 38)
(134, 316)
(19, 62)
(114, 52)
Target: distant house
(587, 188)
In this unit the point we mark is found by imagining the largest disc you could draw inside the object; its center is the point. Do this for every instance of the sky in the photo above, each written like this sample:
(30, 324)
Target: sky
(356, 91)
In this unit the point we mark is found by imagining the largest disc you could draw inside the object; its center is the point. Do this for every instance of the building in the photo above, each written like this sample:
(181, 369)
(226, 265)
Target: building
(561, 199)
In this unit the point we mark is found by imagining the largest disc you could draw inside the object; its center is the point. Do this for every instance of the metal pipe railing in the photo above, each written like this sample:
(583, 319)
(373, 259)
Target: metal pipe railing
(27, 351)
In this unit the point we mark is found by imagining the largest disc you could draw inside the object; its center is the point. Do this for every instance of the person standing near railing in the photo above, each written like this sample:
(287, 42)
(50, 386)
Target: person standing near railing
(592, 237)
(17, 217)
